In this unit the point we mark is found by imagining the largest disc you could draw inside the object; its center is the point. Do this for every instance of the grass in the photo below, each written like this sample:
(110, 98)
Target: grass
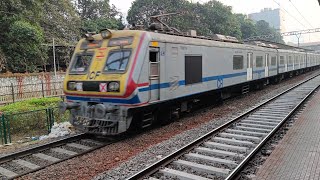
(30, 117)
(30, 105)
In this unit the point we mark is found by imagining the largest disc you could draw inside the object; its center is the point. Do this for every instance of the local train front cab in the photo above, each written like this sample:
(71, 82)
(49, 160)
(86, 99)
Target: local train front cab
(100, 83)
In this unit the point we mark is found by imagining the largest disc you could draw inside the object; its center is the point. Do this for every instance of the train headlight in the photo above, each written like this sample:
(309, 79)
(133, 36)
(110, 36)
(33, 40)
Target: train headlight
(105, 33)
(79, 86)
(114, 86)
(72, 86)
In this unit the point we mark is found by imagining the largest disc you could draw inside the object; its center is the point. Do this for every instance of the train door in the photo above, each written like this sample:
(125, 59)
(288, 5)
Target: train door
(154, 74)
(286, 61)
(267, 65)
(249, 66)
(278, 61)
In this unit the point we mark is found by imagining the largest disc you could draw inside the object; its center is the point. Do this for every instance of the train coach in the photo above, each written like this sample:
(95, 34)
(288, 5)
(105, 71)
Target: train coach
(118, 80)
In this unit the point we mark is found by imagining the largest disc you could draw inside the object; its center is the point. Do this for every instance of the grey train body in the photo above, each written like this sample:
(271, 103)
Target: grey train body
(175, 71)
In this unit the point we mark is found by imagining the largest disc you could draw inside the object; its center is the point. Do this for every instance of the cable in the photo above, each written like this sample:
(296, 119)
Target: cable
(300, 13)
(289, 13)
(303, 17)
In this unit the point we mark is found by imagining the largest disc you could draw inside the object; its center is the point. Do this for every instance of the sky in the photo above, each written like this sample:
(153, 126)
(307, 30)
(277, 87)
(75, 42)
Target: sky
(299, 14)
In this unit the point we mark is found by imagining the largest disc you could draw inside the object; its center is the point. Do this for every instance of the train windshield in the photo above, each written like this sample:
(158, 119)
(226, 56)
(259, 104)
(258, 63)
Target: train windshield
(81, 63)
(117, 61)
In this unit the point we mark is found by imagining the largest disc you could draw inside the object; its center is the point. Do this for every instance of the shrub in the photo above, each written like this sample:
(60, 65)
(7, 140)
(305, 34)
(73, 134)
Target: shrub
(30, 105)
(31, 117)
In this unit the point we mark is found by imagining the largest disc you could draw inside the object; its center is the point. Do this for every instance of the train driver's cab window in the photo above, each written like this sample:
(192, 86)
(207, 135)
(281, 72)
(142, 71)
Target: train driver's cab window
(81, 63)
(259, 61)
(273, 60)
(193, 69)
(237, 62)
(117, 61)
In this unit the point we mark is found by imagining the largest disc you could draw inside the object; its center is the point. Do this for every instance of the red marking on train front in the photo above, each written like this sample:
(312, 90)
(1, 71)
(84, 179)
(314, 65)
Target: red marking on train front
(103, 87)
(143, 84)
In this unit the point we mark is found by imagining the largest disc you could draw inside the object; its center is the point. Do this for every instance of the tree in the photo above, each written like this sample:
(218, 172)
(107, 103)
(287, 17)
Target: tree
(210, 18)
(3, 61)
(247, 26)
(263, 28)
(20, 34)
(59, 20)
(24, 49)
(98, 14)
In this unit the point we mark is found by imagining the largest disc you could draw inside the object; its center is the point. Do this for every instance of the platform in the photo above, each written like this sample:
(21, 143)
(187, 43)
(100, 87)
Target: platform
(297, 156)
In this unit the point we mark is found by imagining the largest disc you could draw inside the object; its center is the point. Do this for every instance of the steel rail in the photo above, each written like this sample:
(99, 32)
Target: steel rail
(148, 171)
(47, 146)
(243, 163)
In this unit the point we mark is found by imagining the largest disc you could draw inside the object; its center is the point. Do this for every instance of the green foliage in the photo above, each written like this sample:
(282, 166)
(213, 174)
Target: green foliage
(31, 117)
(3, 61)
(209, 18)
(24, 44)
(27, 25)
(60, 21)
(247, 26)
(30, 105)
(263, 28)
(97, 15)
(99, 23)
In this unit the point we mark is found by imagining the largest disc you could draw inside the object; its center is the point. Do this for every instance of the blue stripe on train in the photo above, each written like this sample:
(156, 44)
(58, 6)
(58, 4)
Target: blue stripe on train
(133, 100)
(183, 82)
(136, 99)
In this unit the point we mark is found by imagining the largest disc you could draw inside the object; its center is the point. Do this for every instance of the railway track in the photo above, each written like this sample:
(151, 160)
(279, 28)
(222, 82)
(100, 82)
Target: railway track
(224, 152)
(34, 159)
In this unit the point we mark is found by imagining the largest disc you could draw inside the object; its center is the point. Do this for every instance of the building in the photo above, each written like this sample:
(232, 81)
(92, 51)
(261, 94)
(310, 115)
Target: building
(274, 17)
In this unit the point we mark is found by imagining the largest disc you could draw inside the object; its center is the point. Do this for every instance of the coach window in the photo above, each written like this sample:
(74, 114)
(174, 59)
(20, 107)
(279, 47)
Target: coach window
(259, 61)
(281, 59)
(273, 60)
(237, 62)
(193, 69)
(290, 60)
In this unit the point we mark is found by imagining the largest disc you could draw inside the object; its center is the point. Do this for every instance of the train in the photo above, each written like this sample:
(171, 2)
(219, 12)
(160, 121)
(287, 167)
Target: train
(119, 80)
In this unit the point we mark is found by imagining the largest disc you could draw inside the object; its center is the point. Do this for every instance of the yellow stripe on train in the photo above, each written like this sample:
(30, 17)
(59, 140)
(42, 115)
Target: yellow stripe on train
(100, 49)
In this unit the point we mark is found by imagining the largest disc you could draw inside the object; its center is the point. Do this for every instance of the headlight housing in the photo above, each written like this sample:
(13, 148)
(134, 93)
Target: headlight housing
(79, 86)
(114, 86)
(72, 86)
(105, 33)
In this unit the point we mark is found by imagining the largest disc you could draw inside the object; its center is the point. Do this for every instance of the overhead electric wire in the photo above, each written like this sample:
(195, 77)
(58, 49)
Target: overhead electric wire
(300, 13)
(283, 9)
(303, 17)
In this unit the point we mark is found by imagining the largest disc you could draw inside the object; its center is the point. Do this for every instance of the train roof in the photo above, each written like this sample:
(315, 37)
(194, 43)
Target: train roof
(196, 40)
(216, 41)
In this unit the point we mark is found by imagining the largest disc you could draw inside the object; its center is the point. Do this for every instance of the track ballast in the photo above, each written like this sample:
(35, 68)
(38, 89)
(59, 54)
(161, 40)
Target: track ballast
(223, 152)
(34, 159)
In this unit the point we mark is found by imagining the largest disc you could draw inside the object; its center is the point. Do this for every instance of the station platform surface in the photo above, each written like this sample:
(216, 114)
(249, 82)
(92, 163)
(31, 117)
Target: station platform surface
(297, 155)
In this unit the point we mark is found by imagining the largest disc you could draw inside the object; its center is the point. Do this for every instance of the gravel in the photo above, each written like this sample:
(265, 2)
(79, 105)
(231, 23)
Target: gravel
(261, 156)
(125, 158)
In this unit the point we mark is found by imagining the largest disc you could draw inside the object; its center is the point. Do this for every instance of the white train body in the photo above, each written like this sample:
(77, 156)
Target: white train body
(172, 72)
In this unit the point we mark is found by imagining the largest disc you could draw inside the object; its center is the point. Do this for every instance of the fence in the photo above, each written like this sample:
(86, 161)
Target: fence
(22, 126)
(14, 93)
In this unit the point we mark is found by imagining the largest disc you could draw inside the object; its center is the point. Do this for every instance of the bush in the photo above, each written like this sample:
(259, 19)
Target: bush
(31, 117)
(30, 105)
